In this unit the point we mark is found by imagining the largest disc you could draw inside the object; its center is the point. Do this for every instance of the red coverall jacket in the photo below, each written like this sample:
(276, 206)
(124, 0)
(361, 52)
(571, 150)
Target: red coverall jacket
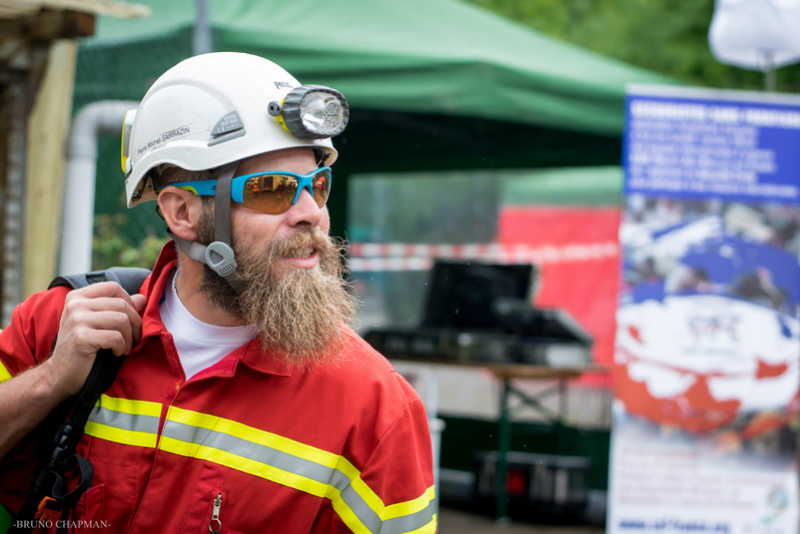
(340, 448)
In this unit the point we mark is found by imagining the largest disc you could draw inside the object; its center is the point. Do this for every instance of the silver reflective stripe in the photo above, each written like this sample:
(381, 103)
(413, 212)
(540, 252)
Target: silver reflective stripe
(248, 449)
(124, 421)
(303, 467)
(409, 523)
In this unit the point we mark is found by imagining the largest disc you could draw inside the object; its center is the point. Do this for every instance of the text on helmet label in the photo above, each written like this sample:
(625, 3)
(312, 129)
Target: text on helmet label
(175, 133)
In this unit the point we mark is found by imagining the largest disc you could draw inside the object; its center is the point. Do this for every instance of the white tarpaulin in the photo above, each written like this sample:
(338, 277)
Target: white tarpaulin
(756, 34)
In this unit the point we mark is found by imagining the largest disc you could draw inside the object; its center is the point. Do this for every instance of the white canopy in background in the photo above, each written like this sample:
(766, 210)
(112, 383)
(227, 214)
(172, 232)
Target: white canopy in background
(756, 34)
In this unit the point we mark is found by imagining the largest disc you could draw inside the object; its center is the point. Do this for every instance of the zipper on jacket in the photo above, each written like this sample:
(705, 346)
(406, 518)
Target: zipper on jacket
(215, 524)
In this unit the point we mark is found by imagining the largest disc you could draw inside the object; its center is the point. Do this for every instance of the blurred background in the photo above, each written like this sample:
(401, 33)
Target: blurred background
(482, 131)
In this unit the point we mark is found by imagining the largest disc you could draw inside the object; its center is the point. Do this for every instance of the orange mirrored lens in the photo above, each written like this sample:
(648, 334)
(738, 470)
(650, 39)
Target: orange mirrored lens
(270, 193)
(321, 185)
(275, 193)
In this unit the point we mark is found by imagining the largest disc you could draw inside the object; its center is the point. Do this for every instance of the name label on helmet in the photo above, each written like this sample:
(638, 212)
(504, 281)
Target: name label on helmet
(171, 135)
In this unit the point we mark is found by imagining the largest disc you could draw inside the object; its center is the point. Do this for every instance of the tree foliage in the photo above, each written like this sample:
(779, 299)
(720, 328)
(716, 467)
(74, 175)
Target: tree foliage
(666, 36)
(113, 245)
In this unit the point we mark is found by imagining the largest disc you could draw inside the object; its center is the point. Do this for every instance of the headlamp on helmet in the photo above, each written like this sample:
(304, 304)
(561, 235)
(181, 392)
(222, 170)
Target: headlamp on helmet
(312, 112)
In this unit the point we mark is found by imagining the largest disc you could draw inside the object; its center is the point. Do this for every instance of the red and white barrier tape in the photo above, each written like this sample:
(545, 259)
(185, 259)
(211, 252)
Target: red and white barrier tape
(417, 257)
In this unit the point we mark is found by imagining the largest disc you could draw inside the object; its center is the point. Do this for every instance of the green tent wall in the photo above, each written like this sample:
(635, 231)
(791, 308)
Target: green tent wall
(433, 84)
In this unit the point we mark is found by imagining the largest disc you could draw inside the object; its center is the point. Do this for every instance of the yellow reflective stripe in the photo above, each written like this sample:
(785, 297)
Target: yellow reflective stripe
(252, 435)
(133, 407)
(411, 507)
(345, 513)
(366, 493)
(125, 421)
(248, 433)
(291, 463)
(4, 374)
(245, 465)
(430, 528)
(124, 437)
(374, 502)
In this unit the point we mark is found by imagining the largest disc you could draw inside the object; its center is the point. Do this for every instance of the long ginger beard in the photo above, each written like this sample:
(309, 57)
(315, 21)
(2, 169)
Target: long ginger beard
(300, 314)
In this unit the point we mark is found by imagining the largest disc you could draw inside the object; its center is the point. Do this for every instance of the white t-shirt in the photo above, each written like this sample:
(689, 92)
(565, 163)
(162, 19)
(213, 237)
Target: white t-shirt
(199, 345)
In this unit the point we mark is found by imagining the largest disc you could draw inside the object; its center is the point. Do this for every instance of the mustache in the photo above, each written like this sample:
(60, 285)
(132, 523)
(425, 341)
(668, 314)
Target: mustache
(300, 315)
(301, 239)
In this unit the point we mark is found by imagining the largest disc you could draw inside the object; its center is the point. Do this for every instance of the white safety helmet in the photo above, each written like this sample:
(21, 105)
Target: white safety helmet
(219, 108)
(214, 110)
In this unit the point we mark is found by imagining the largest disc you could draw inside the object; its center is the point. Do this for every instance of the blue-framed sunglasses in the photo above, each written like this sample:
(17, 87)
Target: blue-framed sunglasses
(269, 192)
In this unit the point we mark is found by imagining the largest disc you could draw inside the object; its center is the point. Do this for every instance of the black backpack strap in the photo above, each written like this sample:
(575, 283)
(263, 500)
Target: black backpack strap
(57, 495)
(130, 278)
(49, 496)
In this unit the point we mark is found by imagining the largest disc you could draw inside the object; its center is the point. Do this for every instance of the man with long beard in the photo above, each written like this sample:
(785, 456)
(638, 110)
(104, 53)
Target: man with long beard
(246, 403)
(284, 306)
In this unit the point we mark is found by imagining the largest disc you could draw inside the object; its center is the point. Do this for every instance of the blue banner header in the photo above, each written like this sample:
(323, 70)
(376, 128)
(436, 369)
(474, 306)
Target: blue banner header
(701, 147)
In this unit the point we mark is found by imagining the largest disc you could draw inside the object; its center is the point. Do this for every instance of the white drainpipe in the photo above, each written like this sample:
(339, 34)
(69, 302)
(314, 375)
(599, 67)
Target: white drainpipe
(96, 119)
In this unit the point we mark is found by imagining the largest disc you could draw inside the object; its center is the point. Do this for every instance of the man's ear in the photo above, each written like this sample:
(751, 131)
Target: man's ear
(181, 210)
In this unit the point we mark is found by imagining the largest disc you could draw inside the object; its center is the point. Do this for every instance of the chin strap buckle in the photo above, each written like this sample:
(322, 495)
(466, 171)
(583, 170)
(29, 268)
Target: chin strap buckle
(220, 258)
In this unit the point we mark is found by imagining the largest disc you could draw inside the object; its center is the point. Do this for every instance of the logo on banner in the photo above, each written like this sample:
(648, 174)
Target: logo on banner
(714, 329)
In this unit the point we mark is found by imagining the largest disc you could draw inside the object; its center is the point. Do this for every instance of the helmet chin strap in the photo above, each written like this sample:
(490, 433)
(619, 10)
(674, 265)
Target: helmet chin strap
(218, 255)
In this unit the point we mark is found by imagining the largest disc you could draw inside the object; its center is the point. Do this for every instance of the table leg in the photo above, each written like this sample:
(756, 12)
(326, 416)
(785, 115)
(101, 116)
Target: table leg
(501, 510)
(562, 414)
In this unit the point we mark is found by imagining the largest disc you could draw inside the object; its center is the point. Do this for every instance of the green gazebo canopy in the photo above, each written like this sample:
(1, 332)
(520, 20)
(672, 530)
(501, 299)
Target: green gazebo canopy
(433, 84)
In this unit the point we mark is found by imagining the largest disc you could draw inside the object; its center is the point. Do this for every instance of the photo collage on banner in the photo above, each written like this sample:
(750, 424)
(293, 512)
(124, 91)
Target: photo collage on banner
(707, 349)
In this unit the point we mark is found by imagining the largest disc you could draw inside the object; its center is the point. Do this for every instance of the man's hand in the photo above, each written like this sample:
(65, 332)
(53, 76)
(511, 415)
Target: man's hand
(100, 316)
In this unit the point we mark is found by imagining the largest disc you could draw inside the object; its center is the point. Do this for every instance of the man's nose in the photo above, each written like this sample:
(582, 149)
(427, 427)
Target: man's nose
(305, 211)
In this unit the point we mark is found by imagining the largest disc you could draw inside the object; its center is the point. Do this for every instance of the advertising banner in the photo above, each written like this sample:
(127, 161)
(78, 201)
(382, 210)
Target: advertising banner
(707, 347)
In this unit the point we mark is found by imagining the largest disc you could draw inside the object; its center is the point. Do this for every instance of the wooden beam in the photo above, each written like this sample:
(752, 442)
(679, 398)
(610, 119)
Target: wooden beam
(48, 25)
(48, 129)
(51, 25)
(10, 9)
(101, 7)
